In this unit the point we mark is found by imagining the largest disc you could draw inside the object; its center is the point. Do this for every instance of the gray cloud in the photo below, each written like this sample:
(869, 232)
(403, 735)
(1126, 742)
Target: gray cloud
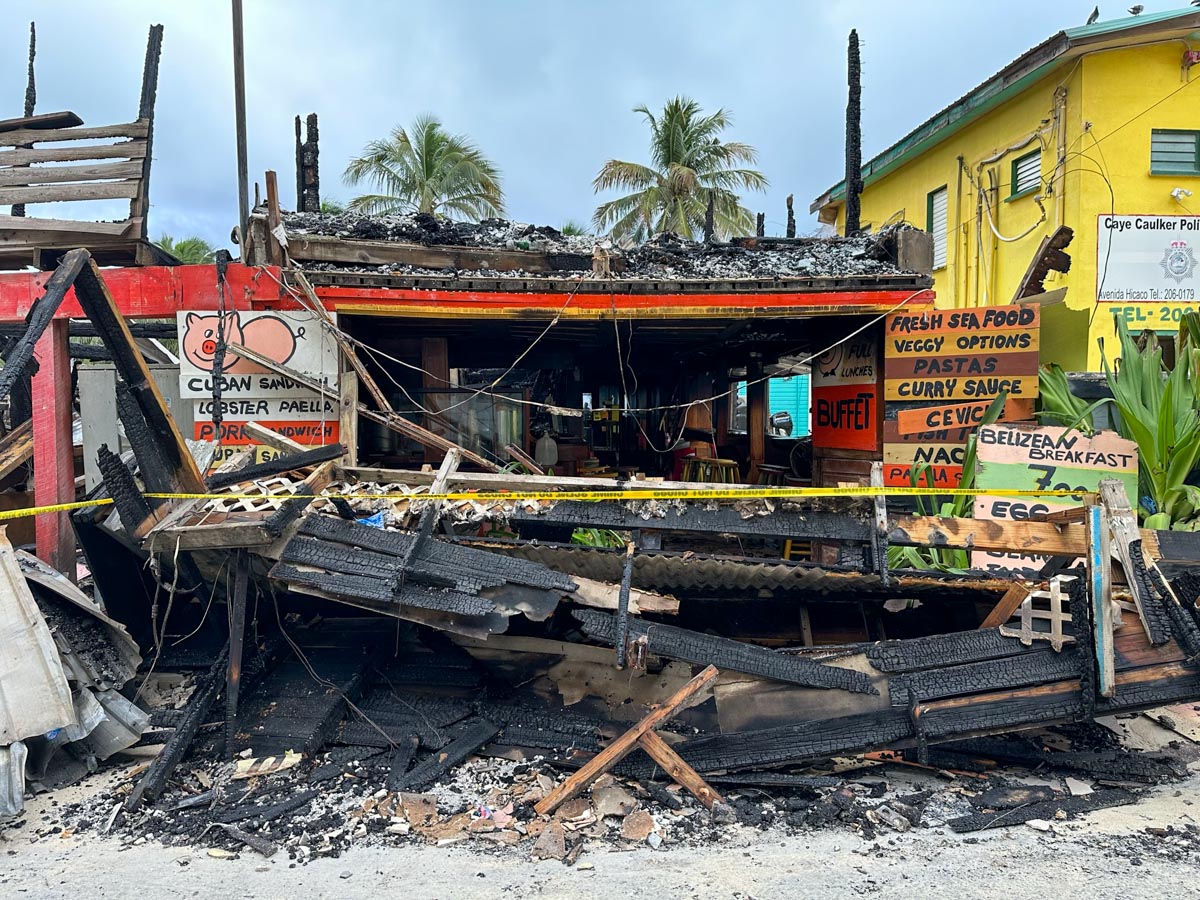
(545, 89)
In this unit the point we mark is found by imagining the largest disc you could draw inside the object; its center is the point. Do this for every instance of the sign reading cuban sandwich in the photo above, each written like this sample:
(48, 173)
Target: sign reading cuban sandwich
(1146, 267)
(845, 396)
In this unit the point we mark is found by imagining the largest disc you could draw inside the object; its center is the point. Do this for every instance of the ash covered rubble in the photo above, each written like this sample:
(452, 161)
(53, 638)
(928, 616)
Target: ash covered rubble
(666, 257)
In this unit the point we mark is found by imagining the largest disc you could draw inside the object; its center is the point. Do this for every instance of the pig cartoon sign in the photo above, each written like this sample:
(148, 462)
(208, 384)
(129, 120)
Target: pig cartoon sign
(292, 339)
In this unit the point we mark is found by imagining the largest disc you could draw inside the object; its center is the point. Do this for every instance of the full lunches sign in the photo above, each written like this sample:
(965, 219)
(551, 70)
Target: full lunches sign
(845, 392)
(1146, 267)
(942, 370)
(252, 393)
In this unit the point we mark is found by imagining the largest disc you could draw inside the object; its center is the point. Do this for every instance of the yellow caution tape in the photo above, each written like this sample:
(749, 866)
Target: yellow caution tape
(649, 493)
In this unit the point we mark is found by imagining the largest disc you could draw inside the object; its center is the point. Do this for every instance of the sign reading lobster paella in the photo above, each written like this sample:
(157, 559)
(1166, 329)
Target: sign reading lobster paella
(1029, 457)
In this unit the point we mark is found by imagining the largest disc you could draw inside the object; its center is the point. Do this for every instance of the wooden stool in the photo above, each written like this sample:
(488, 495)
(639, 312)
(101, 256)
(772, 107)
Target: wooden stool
(771, 475)
(725, 471)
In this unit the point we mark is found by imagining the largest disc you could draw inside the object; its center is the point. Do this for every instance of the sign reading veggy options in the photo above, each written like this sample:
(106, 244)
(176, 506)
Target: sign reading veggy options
(942, 369)
(845, 396)
(1028, 457)
(252, 393)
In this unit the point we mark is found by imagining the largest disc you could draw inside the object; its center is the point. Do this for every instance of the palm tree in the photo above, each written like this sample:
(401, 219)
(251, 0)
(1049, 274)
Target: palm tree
(426, 169)
(191, 251)
(689, 162)
(571, 228)
(332, 206)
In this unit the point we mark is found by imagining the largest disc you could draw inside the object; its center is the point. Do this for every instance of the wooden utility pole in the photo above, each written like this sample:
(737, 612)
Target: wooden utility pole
(30, 98)
(853, 136)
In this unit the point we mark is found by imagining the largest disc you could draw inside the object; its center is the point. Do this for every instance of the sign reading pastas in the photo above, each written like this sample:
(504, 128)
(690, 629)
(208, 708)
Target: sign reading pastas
(1029, 457)
(845, 396)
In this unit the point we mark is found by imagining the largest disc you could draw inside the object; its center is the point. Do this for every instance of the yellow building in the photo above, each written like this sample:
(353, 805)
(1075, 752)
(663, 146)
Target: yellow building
(1098, 129)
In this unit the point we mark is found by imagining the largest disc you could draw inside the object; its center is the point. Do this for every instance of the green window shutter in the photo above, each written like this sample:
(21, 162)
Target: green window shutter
(936, 224)
(1026, 173)
(1174, 152)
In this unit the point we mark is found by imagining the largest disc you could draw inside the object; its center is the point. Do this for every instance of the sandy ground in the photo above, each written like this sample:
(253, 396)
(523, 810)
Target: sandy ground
(1106, 854)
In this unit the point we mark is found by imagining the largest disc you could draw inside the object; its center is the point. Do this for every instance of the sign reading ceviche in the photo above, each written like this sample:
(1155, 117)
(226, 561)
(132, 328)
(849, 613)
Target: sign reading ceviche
(1146, 266)
(1030, 457)
(251, 392)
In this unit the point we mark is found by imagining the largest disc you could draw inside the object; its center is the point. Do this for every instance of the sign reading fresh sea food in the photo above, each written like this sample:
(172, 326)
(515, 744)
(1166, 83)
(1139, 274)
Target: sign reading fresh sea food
(1030, 457)
(845, 396)
(962, 354)
(251, 392)
(1146, 267)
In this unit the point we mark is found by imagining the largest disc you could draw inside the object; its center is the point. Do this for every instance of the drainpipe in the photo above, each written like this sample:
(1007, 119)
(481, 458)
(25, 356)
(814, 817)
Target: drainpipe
(959, 240)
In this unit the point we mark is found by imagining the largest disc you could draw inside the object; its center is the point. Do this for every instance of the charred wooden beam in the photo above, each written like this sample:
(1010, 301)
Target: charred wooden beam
(1047, 809)
(154, 782)
(321, 477)
(429, 770)
(695, 518)
(122, 488)
(702, 649)
(358, 586)
(19, 357)
(980, 534)
(940, 650)
(151, 459)
(853, 179)
(1033, 668)
(101, 309)
(277, 466)
(399, 760)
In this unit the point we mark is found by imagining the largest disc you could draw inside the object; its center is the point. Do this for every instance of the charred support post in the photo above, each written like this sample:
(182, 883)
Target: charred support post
(1099, 568)
(53, 454)
(309, 196)
(853, 136)
(237, 635)
(760, 226)
(709, 216)
(18, 209)
(239, 112)
(139, 206)
(791, 218)
(622, 637)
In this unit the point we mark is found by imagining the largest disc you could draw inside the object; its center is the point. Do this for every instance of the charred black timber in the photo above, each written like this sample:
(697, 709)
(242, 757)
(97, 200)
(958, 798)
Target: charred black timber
(939, 651)
(78, 328)
(1178, 552)
(308, 551)
(237, 635)
(277, 466)
(999, 714)
(853, 181)
(1035, 667)
(152, 463)
(1159, 623)
(1049, 809)
(266, 812)
(1116, 764)
(400, 759)
(122, 488)
(383, 592)
(96, 303)
(429, 770)
(198, 706)
(467, 568)
(724, 653)
(18, 359)
(695, 518)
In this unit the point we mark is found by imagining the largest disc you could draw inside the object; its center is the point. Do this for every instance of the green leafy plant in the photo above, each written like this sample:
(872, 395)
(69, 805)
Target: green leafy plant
(957, 506)
(597, 537)
(1159, 409)
(1059, 405)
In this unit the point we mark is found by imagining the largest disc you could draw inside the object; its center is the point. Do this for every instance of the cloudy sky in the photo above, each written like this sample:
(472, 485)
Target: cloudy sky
(545, 89)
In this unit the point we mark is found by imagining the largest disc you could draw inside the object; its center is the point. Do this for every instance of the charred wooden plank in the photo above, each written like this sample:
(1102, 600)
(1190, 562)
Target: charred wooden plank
(400, 759)
(941, 650)
(319, 479)
(198, 706)
(152, 463)
(266, 812)
(703, 649)
(19, 357)
(429, 770)
(787, 744)
(367, 588)
(1049, 809)
(306, 551)
(696, 518)
(980, 534)
(1037, 667)
(119, 482)
(1048, 704)
(277, 466)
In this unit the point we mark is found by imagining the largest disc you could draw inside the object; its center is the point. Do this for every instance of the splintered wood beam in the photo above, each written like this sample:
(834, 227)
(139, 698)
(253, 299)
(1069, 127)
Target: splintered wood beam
(98, 305)
(683, 774)
(16, 448)
(1007, 605)
(625, 744)
(978, 534)
(265, 436)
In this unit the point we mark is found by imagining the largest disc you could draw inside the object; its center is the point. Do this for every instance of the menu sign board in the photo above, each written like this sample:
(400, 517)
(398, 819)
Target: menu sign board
(845, 396)
(1030, 457)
